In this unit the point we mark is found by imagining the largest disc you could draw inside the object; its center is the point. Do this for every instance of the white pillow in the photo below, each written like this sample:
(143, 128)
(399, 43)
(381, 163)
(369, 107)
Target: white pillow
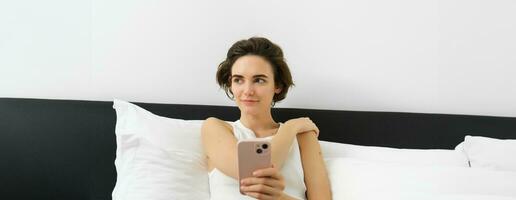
(490, 153)
(354, 179)
(157, 158)
(442, 157)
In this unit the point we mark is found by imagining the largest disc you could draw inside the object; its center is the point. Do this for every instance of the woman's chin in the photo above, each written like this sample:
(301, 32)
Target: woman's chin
(251, 110)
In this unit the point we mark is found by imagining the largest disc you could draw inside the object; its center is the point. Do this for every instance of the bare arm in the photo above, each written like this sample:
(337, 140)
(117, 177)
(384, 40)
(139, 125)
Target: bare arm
(316, 177)
(287, 197)
(220, 145)
(281, 143)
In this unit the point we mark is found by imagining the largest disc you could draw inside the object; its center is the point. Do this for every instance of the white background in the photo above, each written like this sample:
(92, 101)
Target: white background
(433, 56)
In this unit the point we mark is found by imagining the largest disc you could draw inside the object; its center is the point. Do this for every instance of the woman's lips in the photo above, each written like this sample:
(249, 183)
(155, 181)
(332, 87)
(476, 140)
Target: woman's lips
(249, 102)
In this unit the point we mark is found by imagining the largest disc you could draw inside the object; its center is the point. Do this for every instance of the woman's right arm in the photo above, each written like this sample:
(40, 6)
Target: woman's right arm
(220, 146)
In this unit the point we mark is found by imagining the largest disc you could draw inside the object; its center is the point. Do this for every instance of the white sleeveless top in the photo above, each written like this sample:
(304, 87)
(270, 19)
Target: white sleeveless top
(223, 187)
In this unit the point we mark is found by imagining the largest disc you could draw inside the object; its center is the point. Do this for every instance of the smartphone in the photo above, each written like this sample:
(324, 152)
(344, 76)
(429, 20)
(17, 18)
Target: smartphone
(253, 154)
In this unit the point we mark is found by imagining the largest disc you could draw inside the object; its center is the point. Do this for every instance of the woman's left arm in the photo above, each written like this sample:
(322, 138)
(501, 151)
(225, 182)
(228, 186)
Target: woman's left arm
(316, 177)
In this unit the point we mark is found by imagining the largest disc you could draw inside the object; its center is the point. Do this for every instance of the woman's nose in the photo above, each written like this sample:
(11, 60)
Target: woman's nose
(248, 89)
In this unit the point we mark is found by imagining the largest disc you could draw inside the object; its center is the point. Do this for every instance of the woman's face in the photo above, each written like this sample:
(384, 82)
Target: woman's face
(252, 83)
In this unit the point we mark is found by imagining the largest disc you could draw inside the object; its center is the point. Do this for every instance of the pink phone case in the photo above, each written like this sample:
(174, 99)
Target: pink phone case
(253, 154)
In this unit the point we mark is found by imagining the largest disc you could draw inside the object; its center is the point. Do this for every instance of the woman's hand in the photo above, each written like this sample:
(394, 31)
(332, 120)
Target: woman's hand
(266, 184)
(303, 125)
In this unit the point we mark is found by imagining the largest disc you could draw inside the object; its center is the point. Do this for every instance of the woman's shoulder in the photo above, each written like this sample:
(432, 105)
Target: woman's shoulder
(215, 122)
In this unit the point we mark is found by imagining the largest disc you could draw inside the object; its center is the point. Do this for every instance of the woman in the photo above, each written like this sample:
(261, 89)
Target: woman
(256, 76)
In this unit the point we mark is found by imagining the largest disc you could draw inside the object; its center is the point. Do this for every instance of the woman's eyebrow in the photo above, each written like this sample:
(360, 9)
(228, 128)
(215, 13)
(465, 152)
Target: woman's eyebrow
(255, 76)
(260, 76)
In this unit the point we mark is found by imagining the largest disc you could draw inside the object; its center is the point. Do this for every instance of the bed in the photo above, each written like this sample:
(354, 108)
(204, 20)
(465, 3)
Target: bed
(65, 149)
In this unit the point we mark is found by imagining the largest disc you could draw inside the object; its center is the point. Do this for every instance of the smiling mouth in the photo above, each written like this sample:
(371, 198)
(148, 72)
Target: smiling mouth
(249, 101)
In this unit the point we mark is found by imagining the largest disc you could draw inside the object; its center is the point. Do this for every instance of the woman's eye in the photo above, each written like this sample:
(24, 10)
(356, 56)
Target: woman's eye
(260, 80)
(236, 80)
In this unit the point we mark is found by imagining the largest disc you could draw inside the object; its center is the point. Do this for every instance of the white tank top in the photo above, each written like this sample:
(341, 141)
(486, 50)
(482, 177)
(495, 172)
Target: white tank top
(223, 187)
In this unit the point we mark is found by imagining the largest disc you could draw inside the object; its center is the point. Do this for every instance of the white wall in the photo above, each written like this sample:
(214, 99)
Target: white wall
(456, 56)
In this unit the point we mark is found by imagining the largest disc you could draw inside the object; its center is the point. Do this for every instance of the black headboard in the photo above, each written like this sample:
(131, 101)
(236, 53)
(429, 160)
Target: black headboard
(65, 149)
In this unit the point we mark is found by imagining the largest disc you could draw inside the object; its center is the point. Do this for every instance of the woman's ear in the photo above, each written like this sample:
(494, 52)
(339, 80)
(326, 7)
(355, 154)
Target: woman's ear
(278, 90)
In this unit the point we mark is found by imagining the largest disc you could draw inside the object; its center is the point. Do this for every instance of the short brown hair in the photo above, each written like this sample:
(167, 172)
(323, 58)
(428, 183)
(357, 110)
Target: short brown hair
(264, 48)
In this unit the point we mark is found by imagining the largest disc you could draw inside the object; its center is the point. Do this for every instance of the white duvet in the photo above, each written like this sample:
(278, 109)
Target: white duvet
(353, 179)
(470, 197)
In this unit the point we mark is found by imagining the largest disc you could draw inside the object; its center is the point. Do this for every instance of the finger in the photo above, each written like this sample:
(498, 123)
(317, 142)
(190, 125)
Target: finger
(316, 129)
(259, 188)
(315, 132)
(260, 196)
(264, 181)
(268, 172)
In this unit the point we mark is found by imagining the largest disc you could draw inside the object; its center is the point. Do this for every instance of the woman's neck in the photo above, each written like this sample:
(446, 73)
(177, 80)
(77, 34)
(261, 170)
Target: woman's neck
(260, 125)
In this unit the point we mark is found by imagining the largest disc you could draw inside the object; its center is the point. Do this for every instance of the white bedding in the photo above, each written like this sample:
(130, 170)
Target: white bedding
(151, 165)
(353, 179)
(437, 157)
(470, 197)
